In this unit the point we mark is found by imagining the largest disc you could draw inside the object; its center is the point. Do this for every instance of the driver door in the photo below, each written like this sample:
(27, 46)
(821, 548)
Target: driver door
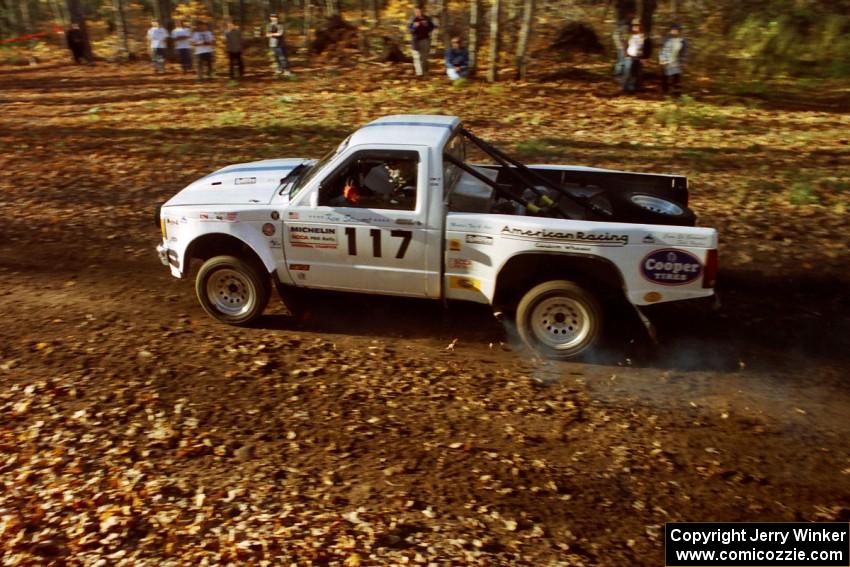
(376, 242)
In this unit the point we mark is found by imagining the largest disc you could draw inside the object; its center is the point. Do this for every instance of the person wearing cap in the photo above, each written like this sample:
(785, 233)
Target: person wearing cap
(203, 40)
(157, 38)
(672, 57)
(420, 26)
(274, 31)
(182, 37)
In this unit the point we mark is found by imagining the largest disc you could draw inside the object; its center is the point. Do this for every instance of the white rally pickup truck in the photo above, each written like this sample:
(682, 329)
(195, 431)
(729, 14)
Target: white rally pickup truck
(396, 209)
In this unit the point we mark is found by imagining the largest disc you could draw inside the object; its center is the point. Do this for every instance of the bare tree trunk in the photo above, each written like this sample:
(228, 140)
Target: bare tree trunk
(308, 22)
(524, 34)
(225, 10)
(444, 23)
(76, 14)
(474, 23)
(26, 19)
(241, 14)
(495, 12)
(61, 11)
(674, 8)
(122, 50)
(373, 7)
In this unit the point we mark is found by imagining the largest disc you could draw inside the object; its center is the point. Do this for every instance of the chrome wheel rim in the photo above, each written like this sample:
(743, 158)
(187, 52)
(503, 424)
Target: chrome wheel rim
(560, 322)
(657, 205)
(230, 292)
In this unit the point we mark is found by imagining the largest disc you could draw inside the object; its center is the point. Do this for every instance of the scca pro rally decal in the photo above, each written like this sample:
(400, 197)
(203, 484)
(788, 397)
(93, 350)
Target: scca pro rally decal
(312, 236)
(670, 267)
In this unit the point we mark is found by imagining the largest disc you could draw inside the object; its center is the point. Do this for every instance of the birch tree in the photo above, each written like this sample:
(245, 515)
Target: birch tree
(495, 13)
(524, 34)
(474, 25)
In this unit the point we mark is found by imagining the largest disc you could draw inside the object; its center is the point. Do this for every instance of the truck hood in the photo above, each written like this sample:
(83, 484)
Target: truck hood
(240, 184)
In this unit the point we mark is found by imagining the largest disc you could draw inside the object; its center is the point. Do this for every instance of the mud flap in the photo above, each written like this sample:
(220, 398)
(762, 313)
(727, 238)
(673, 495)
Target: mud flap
(289, 298)
(650, 328)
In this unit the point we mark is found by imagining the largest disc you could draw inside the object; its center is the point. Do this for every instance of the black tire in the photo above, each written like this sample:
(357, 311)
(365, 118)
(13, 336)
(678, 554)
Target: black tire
(646, 208)
(232, 290)
(559, 319)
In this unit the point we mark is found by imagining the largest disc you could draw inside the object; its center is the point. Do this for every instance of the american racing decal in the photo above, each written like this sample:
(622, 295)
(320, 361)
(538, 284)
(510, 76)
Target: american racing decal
(670, 267)
(593, 238)
(311, 236)
(479, 239)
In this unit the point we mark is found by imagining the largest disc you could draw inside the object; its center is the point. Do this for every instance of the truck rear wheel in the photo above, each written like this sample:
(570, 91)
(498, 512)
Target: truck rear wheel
(559, 319)
(232, 290)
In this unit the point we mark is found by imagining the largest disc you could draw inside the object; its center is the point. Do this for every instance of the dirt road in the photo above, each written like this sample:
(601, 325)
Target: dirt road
(136, 430)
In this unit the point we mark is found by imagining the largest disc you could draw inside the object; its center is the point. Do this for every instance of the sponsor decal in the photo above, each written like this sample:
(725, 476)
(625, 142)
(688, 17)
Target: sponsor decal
(311, 236)
(670, 267)
(565, 247)
(479, 239)
(244, 180)
(652, 297)
(274, 243)
(578, 237)
(300, 267)
(268, 229)
(220, 217)
(275, 215)
(461, 263)
(183, 220)
(678, 239)
(649, 239)
(169, 220)
(469, 284)
(454, 245)
(292, 215)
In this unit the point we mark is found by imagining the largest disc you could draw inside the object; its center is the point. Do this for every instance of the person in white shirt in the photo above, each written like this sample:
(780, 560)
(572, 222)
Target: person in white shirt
(635, 46)
(182, 36)
(157, 39)
(672, 58)
(203, 40)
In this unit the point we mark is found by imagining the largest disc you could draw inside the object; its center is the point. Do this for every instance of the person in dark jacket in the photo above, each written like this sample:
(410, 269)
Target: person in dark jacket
(233, 39)
(457, 60)
(76, 42)
(420, 27)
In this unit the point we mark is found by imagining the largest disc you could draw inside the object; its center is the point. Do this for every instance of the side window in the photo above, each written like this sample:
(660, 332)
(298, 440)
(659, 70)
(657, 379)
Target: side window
(451, 172)
(374, 180)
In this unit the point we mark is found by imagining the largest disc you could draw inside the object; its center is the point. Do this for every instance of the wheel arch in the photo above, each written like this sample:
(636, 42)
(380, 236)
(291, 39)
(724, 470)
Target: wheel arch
(526, 270)
(213, 244)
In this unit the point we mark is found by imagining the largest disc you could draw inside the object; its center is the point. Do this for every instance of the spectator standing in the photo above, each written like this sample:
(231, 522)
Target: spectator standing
(76, 42)
(457, 60)
(233, 39)
(672, 57)
(182, 37)
(634, 52)
(157, 38)
(420, 27)
(203, 40)
(274, 31)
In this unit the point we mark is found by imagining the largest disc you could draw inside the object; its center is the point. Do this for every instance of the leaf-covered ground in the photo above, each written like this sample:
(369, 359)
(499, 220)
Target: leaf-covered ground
(136, 431)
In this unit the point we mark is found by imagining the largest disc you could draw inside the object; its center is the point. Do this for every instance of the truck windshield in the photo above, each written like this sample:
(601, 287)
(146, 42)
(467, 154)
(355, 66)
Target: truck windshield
(308, 175)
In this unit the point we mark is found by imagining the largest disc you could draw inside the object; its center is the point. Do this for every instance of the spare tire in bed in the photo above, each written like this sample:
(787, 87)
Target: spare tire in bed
(631, 206)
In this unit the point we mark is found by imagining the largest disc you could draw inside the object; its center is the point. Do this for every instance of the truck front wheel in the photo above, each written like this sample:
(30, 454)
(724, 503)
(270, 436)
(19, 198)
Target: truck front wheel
(232, 290)
(559, 319)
